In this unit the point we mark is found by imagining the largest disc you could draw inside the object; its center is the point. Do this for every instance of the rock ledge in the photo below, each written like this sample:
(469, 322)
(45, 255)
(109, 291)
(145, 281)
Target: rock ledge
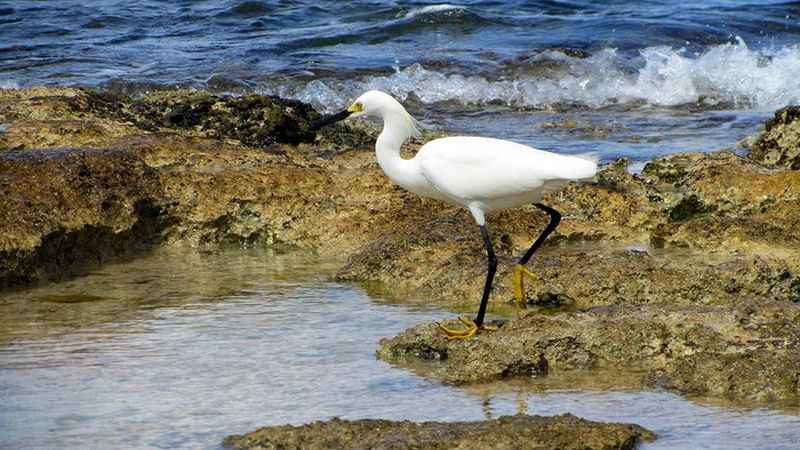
(518, 432)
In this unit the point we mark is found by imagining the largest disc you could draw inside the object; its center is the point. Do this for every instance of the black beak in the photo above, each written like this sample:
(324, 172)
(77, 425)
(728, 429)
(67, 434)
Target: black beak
(329, 119)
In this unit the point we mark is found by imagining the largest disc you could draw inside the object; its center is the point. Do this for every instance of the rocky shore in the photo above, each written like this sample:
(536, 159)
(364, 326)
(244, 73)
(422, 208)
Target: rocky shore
(86, 177)
(688, 273)
(519, 432)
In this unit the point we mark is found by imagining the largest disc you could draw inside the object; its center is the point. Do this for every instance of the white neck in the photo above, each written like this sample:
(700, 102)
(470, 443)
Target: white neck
(404, 172)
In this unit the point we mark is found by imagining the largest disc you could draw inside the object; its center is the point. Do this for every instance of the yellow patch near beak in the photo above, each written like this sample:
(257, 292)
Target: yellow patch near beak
(355, 108)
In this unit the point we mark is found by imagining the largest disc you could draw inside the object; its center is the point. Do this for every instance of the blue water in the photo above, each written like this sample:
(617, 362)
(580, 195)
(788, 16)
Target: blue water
(643, 78)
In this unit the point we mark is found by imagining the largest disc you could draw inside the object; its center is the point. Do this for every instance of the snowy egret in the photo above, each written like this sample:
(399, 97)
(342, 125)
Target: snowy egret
(479, 173)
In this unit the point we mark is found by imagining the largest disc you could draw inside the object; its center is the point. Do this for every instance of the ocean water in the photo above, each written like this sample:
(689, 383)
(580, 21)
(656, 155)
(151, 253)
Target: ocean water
(639, 78)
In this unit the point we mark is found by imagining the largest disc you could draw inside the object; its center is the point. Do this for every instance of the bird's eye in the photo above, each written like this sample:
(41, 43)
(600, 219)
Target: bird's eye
(356, 107)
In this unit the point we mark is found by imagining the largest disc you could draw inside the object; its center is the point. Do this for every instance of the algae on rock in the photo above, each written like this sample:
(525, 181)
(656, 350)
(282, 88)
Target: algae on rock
(750, 352)
(519, 432)
(779, 144)
(78, 117)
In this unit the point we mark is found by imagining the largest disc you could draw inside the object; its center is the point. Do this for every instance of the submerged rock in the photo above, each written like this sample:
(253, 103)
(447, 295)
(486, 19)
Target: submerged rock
(519, 432)
(779, 144)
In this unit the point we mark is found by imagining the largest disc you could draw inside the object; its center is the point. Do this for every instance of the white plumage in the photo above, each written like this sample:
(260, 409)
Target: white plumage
(488, 174)
(481, 174)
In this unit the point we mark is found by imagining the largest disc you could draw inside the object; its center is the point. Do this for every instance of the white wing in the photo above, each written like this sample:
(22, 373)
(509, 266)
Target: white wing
(477, 168)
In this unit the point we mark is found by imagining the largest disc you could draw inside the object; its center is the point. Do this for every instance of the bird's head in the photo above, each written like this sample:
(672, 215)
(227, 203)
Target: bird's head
(374, 104)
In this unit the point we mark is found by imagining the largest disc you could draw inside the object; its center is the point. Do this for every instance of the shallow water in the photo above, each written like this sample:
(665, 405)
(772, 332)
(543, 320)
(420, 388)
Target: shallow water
(180, 348)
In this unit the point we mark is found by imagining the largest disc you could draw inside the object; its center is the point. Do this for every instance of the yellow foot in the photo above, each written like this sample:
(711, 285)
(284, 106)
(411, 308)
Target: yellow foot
(519, 291)
(471, 330)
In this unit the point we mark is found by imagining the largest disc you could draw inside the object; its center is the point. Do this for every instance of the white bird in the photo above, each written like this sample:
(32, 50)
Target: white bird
(479, 173)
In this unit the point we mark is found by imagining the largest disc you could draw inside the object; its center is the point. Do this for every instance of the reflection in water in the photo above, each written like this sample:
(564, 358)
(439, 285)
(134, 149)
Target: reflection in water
(179, 349)
(680, 424)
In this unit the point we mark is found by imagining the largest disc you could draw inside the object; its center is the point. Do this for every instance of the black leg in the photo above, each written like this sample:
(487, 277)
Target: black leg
(492, 260)
(555, 218)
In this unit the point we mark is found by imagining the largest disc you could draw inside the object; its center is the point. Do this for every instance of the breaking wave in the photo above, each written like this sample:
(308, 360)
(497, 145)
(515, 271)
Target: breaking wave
(432, 8)
(442, 10)
(725, 76)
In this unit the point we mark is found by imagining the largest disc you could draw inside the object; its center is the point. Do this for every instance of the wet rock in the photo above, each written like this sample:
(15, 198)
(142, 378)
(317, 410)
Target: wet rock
(747, 352)
(703, 236)
(206, 190)
(221, 83)
(219, 190)
(520, 432)
(667, 172)
(687, 207)
(573, 277)
(779, 144)
(40, 118)
(333, 140)
(66, 210)
(253, 120)
(571, 52)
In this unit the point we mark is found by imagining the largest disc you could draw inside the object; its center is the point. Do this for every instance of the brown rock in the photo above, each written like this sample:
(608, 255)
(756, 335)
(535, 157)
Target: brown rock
(518, 432)
(65, 210)
(749, 352)
(779, 144)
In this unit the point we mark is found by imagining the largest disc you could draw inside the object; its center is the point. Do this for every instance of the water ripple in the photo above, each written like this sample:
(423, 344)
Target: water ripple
(133, 368)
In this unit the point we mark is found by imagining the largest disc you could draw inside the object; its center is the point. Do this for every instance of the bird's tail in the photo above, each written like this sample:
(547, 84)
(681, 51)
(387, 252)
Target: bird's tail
(588, 170)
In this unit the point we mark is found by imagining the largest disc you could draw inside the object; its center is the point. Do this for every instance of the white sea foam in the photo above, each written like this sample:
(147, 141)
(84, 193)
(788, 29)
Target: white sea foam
(430, 9)
(321, 94)
(8, 84)
(725, 75)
